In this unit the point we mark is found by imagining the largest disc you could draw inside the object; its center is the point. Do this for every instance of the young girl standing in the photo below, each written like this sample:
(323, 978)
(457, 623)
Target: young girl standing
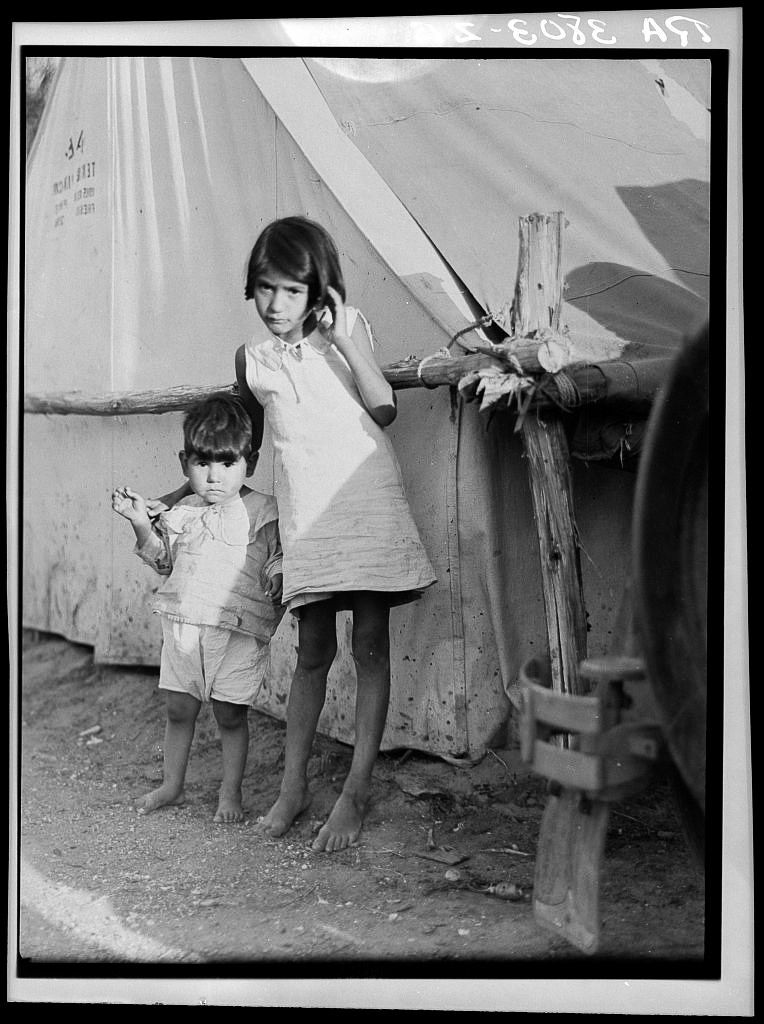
(348, 537)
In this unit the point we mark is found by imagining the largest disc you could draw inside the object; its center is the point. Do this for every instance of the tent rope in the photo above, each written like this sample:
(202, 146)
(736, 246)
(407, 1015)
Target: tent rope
(483, 321)
(566, 395)
(569, 393)
(440, 354)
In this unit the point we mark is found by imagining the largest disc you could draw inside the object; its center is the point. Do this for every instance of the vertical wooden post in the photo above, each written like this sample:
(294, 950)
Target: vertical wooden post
(537, 305)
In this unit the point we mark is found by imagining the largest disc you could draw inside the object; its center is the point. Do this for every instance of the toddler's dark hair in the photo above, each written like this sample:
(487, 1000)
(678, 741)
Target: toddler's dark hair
(218, 429)
(298, 248)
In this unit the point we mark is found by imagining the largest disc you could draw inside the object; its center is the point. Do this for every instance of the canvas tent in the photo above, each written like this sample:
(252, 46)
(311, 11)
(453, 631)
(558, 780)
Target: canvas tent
(148, 182)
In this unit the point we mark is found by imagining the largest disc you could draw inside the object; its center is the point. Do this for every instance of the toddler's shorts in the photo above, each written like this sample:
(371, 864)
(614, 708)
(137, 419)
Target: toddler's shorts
(211, 663)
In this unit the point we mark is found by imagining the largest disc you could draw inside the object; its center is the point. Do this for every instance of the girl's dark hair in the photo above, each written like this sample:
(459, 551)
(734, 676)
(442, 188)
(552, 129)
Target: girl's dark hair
(218, 429)
(298, 248)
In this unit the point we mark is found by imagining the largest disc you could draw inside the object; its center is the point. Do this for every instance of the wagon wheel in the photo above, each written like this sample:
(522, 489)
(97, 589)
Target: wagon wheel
(670, 555)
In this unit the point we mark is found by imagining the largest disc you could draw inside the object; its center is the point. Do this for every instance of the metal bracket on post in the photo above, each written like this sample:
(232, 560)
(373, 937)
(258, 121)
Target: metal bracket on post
(603, 760)
(606, 759)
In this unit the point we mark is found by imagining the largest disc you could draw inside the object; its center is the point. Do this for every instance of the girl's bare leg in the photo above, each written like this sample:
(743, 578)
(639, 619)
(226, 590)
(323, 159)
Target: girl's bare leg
(182, 712)
(317, 647)
(371, 652)
(234, 738)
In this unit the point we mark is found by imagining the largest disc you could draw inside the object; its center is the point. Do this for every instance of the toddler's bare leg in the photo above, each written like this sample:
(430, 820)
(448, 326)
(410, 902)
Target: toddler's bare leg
(371, 651)
(316, 651)
(234, 738)
(182, 712)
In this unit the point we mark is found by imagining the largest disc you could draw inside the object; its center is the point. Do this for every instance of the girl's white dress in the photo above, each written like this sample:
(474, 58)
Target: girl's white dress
(344, 520)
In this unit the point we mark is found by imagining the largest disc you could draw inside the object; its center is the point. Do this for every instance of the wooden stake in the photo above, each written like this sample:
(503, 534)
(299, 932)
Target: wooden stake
(537, 305)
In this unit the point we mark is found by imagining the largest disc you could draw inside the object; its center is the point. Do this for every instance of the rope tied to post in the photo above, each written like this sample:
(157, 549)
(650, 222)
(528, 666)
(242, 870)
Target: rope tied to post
(569, 395)
(484, 321)
(442, 353)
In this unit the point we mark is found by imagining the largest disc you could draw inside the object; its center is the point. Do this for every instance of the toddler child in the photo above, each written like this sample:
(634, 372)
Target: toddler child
(220, 604)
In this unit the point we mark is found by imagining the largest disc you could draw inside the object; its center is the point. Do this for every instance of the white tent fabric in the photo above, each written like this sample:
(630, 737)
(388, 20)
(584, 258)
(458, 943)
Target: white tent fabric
(148, 183)
(469, 146)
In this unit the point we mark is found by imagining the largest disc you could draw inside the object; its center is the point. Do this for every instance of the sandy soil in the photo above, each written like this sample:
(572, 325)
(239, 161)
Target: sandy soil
(101, 885)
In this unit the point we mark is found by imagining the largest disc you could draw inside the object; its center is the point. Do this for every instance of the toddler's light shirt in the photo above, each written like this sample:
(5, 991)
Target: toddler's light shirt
(217, 559)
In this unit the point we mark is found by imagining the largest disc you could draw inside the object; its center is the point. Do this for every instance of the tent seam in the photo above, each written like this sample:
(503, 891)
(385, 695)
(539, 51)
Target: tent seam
(454, 576)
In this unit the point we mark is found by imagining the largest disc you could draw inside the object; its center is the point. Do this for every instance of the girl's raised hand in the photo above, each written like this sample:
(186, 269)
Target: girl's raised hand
(336, 330)
(129, 503)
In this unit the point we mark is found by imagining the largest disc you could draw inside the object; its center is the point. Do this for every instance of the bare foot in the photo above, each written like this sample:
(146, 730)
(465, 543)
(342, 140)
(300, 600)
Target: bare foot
(162, 797)
(343, 826)
(290, 805)
(229, 807)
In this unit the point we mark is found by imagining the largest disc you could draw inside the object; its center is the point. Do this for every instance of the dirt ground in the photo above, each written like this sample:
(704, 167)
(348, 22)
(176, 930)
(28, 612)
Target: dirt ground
(101, 885)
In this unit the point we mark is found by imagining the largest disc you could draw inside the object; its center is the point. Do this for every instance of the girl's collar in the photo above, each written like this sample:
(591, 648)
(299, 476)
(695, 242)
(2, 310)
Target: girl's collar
(271, 350)
(314, 340)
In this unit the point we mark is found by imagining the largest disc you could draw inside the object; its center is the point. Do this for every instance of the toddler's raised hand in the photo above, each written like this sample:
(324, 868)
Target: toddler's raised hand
(129, 503)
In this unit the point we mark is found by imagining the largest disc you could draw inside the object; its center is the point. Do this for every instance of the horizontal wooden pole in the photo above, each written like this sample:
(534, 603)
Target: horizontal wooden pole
(123, 403)
(436, 371)
(593, 383)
